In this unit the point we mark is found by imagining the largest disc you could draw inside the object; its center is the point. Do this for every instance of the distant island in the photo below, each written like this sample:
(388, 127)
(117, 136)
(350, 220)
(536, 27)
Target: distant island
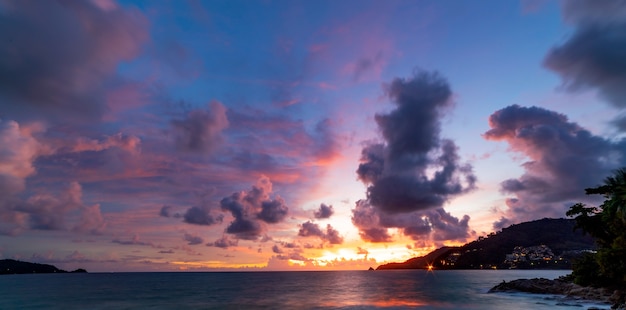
(11, 266)
(540, 244)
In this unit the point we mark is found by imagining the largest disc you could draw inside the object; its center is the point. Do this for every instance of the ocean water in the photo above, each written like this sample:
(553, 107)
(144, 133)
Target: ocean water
(397, 289)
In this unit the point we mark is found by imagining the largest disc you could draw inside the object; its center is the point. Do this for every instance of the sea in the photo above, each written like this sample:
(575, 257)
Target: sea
(389, 289)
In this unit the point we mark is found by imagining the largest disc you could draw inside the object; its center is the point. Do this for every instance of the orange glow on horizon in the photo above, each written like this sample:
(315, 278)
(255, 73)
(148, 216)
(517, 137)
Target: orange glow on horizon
(182, 265)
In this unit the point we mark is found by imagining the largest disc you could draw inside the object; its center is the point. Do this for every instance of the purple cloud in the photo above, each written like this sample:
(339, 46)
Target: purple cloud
(252, 208)
(78, 43)
(324, 212)
(52, 212)
(413, 171)
(223, 242)
(310, 229)
(193, 239)
(202, 216)
(592, 58)
(200, 130)
(554, 145)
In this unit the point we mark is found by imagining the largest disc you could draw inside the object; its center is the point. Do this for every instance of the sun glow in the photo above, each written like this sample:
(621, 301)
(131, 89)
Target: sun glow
(182, 265)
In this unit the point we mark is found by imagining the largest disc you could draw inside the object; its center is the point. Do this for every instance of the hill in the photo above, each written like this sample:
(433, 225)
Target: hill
(11, 266)
(519, 245)
(421, 262)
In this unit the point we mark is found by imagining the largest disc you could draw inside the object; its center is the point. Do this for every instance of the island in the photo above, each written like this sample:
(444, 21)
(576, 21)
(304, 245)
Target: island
(11, 266)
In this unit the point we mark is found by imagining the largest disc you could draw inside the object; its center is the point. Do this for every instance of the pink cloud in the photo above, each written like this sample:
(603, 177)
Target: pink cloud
(18, 149)
(130, 144)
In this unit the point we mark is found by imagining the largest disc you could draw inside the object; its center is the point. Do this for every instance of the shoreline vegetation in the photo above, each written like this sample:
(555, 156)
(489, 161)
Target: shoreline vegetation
(11, 266)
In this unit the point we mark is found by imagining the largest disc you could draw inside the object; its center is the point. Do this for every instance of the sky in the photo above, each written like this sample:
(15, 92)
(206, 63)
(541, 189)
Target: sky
(297, 135)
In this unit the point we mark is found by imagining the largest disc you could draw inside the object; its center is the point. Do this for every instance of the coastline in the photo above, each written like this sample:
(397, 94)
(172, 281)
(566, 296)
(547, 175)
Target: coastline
(616, 297)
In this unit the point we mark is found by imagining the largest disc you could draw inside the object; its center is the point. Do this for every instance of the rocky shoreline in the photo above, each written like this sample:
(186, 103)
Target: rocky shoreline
(562, 286)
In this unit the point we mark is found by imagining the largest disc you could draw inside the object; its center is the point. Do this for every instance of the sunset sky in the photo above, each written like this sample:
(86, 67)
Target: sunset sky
(285, 135)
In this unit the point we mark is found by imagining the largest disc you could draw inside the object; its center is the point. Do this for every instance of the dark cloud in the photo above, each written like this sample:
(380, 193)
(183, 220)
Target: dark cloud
(332, 235)
(503, 222)
(372, 162)
(593, 57)
(295, 255)
(200, 130)
(396, 171)
(201, 216)
(166, 211)
(434, 224)
(620, 122)
(273, 211)
(252, 208)
(448, 227)
(276, 249)
(244, 226)
(290, 245)
(413, 171)
(366, 218)
(375, 234)
(563, 160)
(310, 229)
(193, 239)
(57, 57)
(324, 212)
(135, 241)
(223, 242)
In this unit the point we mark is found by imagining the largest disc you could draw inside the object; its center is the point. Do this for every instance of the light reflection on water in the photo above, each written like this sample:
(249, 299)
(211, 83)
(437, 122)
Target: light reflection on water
(398, 289)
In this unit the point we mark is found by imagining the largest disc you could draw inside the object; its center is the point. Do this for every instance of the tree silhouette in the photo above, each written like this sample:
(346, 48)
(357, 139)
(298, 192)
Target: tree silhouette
(607, 224)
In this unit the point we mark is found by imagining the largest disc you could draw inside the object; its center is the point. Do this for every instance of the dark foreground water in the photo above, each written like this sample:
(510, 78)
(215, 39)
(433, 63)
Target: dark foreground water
(459, 289)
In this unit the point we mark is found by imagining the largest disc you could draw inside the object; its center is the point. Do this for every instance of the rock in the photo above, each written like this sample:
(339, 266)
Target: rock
(563, 287)
(537, 286)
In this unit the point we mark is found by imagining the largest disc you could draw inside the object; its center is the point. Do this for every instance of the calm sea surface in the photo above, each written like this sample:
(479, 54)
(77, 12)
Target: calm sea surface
(406, 289)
